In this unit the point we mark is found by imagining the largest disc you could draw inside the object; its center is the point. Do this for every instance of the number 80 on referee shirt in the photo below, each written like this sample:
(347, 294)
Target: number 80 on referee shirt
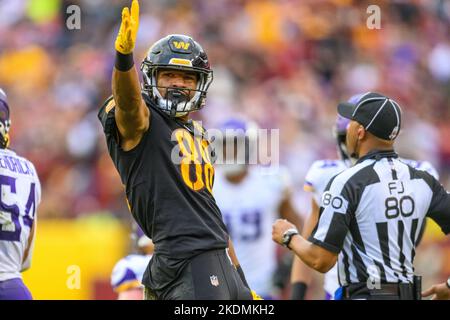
(337, 202)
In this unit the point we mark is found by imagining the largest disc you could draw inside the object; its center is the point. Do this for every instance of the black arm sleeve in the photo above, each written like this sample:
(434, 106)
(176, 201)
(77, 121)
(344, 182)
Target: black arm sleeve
(106, 117)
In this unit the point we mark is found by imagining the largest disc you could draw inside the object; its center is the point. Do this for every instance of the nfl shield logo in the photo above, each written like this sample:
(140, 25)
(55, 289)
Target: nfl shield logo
(214, 280)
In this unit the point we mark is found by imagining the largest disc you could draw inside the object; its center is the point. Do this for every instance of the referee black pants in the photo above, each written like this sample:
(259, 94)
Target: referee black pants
(207, 276)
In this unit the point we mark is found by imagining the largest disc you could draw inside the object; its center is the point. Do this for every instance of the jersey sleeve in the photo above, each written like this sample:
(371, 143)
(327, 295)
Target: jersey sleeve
(38, 190)
(428, 167)
(317, 177)
(26, 263)
(313, 180)
(334, 219)
(106, 115)
(123, 278)
(107, 119)
(439, 209)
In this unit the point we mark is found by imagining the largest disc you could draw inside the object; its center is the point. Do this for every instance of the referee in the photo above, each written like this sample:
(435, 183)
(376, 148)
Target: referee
(371, 214)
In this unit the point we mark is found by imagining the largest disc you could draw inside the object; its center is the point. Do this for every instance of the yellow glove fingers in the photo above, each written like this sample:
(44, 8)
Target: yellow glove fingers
(125, 14)
(134, 19)
(128, 29)
(135, 11)
(129, 36)
(126, 24)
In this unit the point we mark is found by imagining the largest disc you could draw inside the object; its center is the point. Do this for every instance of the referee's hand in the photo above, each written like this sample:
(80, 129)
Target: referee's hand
(439, 291)
(279, 228)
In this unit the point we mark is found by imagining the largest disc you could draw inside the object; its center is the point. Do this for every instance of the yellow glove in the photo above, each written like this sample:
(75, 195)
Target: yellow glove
(256, 296)
(128, 29)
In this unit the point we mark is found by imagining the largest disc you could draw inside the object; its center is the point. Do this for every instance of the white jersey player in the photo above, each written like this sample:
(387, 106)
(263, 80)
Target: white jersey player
(126, 277)
(316, 180)
(20, 195)
(250, 199)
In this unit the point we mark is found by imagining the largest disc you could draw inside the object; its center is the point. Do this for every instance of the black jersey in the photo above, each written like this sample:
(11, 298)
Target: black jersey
(171, 200)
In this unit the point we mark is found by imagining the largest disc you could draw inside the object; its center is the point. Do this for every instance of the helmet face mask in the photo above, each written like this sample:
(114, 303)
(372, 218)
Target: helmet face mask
(4, 133)
(340, 134)
(180, 53)
(342, 148)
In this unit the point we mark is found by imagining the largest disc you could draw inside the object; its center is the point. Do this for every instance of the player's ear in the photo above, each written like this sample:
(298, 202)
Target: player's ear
(361, 132)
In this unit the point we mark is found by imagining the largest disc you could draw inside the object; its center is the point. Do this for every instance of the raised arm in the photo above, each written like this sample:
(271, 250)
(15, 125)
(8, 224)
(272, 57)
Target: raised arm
(131, 114)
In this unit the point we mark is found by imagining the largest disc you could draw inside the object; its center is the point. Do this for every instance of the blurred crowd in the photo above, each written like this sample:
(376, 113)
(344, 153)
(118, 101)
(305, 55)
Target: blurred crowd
(283, 63)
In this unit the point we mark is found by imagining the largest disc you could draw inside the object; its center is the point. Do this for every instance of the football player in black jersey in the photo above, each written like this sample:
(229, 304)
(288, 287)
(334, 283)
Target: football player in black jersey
(164, 161)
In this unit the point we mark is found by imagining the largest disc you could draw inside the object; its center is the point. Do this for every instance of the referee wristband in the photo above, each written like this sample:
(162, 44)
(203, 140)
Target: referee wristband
(124, 62)
(298, 291)
(241, 274)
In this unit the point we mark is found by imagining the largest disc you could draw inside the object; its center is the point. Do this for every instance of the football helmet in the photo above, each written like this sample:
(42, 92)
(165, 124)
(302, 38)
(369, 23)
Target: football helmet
(340, 134)
(5, 121)
(340, 130)
(179, 52)
(238, 147)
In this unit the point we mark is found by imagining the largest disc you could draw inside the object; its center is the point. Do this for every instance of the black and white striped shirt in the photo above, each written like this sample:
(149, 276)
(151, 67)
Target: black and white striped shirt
(372, 213)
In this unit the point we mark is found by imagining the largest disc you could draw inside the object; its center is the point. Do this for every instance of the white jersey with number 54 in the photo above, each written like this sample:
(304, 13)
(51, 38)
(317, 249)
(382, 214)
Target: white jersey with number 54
(20, 194)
